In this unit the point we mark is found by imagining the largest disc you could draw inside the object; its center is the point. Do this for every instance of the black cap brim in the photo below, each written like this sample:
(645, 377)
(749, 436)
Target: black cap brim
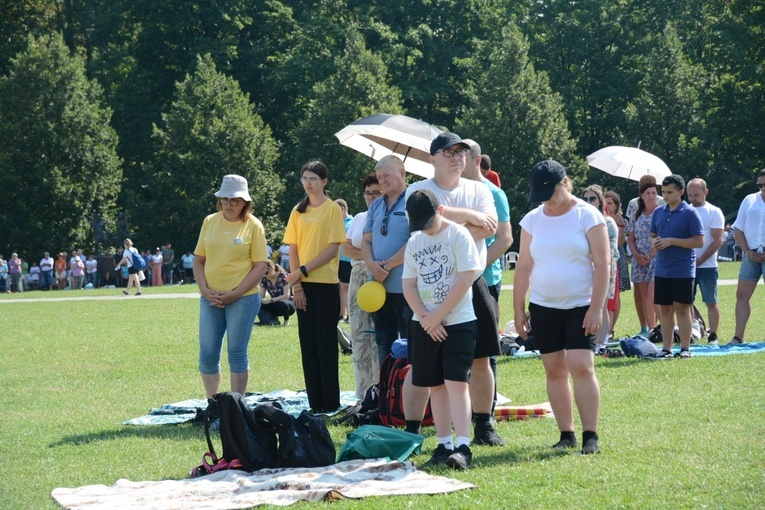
(542, 195)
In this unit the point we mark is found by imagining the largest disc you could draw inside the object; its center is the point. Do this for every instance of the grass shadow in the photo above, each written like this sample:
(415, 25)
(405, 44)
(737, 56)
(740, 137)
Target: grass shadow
(183, 432)
(618, 362)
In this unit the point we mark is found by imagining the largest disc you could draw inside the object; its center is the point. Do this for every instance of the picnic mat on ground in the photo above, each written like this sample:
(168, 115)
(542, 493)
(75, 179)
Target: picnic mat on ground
(237, 489)
(292, 402)
(723, 350)
(509, 413)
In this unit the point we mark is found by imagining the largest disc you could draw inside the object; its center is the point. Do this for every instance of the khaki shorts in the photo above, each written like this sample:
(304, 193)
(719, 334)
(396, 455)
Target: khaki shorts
(61, 275)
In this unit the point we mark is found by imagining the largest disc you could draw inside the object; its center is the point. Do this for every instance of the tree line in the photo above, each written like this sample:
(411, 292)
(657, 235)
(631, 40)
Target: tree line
(141, 106)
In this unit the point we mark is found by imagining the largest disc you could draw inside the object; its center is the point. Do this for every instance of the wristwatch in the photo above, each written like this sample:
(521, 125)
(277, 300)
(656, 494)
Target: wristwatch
(304, 270)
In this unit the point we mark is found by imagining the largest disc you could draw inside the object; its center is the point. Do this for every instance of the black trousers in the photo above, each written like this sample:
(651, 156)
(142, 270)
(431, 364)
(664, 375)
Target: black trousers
(317, 328)
(283, 308)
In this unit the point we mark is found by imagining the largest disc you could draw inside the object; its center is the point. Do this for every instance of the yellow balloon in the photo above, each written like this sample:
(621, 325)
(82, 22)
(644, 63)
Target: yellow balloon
(371, 296)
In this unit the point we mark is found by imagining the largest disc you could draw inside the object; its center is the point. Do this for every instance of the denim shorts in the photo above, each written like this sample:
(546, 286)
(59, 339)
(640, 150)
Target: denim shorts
(706, 278)
(750, 271)
(235, 320)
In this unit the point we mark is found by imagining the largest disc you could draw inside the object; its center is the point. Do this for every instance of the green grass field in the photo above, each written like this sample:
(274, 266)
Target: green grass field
(674, 434)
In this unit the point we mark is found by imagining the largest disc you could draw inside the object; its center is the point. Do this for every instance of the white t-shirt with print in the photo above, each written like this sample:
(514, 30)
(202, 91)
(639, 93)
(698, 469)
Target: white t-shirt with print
(468, 195)
(562, 274)
(435, 262)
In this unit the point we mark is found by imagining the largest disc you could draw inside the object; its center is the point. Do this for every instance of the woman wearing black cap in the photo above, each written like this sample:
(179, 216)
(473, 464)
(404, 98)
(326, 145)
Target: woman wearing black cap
(565, 261)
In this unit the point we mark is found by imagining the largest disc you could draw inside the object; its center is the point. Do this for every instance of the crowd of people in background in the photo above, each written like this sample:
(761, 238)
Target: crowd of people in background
(436, 247)
(77, 271)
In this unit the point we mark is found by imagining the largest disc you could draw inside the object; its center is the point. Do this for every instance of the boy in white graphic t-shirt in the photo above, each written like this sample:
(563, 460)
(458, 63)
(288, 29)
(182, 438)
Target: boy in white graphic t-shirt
(441, 262)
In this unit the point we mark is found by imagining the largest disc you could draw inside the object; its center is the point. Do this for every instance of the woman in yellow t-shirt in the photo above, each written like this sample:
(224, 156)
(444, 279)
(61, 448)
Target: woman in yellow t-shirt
(314, 234)
(229, 261)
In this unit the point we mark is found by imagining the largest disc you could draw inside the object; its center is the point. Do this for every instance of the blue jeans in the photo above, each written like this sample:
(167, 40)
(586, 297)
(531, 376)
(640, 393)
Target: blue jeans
(751, 271)
(235, 321)
(391, 322)
(706, 279)
(46, 279)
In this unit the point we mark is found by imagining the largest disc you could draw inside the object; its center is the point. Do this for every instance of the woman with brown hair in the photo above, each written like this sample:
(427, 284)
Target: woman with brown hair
(643, 256)
(594, 196)
(614, 207)
(314, 234)
(279, 301)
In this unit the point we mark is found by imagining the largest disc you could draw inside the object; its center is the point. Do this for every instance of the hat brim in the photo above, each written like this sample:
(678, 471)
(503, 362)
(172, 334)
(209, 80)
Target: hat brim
(422, 224)
(234, 194)
(543, 194)
(463, 144)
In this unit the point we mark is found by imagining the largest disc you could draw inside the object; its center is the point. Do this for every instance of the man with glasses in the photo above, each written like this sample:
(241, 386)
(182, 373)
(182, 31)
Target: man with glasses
(471, 204)
(382, 247)
(749, 229)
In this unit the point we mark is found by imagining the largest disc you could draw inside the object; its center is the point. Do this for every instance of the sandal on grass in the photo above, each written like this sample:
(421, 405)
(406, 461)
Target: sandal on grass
(736, 340)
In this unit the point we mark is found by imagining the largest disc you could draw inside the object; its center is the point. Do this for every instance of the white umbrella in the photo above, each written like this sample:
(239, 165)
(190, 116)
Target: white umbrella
(628, 162)
(383, 134)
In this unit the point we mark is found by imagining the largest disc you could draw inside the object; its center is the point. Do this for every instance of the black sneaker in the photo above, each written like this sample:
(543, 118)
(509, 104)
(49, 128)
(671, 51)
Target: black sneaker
(712, 339)
(439, 458)
(486, 435)
(664, 354)
(590, 446)
(461, 458)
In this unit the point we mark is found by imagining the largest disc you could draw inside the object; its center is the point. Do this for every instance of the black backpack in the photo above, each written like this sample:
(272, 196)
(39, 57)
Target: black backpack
(263, 437)
(247, 442)
(303, 441)
(364, 413)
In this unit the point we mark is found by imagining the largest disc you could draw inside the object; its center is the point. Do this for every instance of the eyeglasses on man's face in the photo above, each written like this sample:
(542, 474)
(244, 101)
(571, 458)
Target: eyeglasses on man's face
(312, 179)
(591, 199)
(760, 185)
(449, 153)
(233, 202)
(372, 194)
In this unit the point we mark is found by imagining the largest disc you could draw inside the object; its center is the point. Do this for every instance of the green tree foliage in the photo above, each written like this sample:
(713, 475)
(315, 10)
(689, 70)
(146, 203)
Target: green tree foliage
(18, 20)
(583, 47)
(210, 130)
(693, 93)
(735, 106)
(58, 159)
(517, 118)
(357, 88)
(426, 44)
(667, 113)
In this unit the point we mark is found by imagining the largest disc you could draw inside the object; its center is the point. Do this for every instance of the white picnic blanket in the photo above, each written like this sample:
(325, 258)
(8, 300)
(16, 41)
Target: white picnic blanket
(238, 489)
